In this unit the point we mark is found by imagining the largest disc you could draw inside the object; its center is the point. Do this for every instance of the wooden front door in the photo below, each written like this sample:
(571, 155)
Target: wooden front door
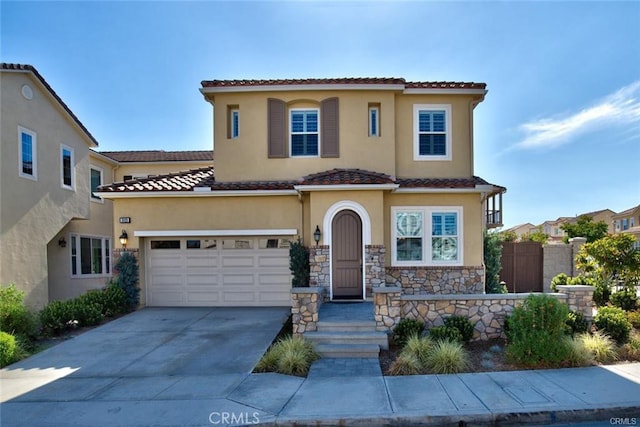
(346, 251)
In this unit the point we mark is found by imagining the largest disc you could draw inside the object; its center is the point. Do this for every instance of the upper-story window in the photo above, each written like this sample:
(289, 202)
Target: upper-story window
(27, 141)
(96, 181)
(304, 131)
(233, 121)
(66, 167)
(625, 224)
(374, 120)
(432, 132)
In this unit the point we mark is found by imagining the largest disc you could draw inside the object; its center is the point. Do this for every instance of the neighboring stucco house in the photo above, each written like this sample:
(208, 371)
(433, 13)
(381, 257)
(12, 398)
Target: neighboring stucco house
(381, 168)
(628, 221)
(48, 213)
(149, 163)
(521, 229)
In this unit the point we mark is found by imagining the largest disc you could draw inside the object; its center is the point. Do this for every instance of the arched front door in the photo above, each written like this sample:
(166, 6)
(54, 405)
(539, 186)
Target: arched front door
(346, 252)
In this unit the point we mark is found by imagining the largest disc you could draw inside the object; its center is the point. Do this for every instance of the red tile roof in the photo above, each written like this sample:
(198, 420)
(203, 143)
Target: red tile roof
(343, 81)
(159, 156)
(32, 69)
(204, 178)
(179, 181)
(346, 176)
(447, 183)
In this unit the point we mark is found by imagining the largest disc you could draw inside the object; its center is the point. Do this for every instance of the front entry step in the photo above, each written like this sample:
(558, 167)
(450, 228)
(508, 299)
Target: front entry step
(363, 351)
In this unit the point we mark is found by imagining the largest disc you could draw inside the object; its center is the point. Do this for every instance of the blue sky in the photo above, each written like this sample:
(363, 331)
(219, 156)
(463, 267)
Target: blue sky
(560, 126)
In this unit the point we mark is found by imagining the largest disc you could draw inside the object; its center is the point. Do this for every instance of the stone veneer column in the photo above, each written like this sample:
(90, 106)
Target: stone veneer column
(319, 274)
(305, 304)
(388, 307)
(374, 267)
(579, 298)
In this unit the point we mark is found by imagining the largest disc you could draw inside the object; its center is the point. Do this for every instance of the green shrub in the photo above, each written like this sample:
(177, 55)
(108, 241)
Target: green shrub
(405, 329)
(493, 265)
(290, 356)
(601, 347)
(447, 357)
(535, 332)
(418, 347)
(406, 364)
(57, 316)
(602, 292)
(462, 324)
(613, 322)
(445, 333)
(8, 349)
(128, 278)
(579, 354)
(576, 323)
(626, 299)
(299, 264)
(631, 350)
(86, 313)
(581, 280)
(14, 316)
(634, 318)
(114, 301)
(559, 279)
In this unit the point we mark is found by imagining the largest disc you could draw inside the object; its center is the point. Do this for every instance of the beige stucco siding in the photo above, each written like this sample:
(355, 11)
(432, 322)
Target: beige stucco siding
(461, 163)
(246, 157)
(472, 219)
(321, 202)
(206, 213)
(34, 211)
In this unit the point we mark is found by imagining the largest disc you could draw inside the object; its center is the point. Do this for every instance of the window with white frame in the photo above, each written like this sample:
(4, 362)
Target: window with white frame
(66, 167)
(235, 123)
(432, 132)
(625, 224)
(374, 120)
(423, 236)
(90, 256)
(28, 144)
(96, 181)
(304, 132)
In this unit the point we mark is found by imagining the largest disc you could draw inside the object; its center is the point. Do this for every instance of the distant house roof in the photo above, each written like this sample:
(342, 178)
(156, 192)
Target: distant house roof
(627, 212)
(354, 82)
(158, 156)
(25, 68)
(200, 180)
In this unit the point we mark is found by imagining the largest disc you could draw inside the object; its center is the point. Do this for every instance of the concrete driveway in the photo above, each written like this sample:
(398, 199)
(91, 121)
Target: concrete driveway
(152, 355)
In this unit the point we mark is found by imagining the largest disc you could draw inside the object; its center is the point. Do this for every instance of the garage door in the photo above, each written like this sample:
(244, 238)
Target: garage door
(212, 271)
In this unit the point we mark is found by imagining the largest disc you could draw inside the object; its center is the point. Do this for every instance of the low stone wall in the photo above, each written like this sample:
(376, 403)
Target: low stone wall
(486, 312)
(305, 303)
(437, 280)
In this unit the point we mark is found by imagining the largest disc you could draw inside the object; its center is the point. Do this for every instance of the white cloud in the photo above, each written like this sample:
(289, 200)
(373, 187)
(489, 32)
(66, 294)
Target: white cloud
(620, 108)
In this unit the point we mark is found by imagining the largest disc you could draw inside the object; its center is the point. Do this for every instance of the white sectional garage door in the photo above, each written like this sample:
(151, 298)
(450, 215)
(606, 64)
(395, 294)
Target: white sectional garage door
(212, 271)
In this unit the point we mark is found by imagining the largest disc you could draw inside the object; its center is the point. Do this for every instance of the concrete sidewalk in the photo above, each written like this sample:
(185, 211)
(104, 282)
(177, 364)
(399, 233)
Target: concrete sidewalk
(517, 397)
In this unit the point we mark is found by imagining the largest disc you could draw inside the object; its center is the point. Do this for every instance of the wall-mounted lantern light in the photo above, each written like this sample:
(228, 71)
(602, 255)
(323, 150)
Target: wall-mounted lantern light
(124, 238)
(317, 234)
(62, 242)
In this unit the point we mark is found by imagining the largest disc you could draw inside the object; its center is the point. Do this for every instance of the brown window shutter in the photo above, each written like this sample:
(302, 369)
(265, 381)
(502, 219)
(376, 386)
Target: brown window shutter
(329, 131)
(276, 111)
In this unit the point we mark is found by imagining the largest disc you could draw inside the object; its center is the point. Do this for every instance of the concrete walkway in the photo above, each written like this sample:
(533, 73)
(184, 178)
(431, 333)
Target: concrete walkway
(192, 367)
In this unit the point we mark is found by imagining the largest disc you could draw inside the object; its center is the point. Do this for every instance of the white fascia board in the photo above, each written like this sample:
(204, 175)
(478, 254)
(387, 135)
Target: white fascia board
(200, 193)
(438, 190)
(166, 162)
(444, 91)
(346, 187)
(294, 87)
(216, 233)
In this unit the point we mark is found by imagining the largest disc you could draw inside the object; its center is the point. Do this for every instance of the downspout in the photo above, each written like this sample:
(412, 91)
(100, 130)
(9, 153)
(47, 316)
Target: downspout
(472, 105)
(301, 200)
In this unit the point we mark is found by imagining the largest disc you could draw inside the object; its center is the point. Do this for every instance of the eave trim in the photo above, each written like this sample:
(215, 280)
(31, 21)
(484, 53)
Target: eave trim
(206, 192)
(216, 233)
(346, 187)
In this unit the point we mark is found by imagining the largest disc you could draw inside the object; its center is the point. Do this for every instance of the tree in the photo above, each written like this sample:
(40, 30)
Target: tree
(611, 257)
(492, 257)
(508, 236)
(585, 227)
(537, 236)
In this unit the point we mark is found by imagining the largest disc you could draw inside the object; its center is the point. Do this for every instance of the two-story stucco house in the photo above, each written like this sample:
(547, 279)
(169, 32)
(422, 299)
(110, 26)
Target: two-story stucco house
(56, 233)
(379, 169)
